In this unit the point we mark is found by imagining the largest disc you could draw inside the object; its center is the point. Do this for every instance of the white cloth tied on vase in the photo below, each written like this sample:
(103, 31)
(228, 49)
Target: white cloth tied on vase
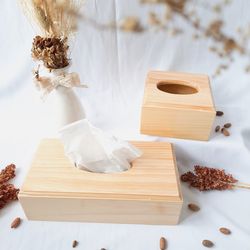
(88, 147)
(48, 84)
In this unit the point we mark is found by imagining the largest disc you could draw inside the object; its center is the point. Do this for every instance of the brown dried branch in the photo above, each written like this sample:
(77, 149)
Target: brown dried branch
(224, 44)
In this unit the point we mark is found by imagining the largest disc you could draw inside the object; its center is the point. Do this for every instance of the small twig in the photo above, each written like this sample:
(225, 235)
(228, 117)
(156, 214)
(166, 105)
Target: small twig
(241, 185)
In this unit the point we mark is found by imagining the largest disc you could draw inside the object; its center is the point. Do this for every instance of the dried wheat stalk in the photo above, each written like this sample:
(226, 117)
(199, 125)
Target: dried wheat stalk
(57, 18)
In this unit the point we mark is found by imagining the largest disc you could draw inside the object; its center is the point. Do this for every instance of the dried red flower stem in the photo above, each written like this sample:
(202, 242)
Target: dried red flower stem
(8, 192)
(205, 178)
(7, 173)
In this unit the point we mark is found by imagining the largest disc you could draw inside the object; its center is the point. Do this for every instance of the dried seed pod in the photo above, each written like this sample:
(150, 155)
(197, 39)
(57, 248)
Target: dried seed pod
(193, 207)
(163, 243)
(227, 125)
(74, 243)
(219, 113)
(207, 243)
(217, 128)
(15, 223)
(225, 230)
(225, 132)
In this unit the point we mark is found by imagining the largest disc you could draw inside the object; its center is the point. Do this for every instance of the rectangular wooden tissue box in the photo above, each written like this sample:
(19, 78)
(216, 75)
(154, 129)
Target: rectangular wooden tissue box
(148, 193)
(177, 105)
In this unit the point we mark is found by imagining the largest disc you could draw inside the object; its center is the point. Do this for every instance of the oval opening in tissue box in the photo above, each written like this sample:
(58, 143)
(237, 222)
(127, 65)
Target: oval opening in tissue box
(176, 88)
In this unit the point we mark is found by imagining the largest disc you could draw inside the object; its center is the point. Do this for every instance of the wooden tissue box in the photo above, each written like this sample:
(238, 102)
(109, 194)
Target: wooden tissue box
(177, 105)
(148, 193)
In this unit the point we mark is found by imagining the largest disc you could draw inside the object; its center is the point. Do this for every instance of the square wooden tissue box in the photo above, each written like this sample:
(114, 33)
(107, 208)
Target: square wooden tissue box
(177, 105)
(148, 193)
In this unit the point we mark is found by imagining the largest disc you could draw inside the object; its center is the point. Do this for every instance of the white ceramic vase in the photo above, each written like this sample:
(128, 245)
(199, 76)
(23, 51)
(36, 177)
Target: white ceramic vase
(67, 106)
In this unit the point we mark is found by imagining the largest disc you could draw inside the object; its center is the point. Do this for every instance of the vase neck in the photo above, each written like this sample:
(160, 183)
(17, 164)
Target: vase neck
(58, 72)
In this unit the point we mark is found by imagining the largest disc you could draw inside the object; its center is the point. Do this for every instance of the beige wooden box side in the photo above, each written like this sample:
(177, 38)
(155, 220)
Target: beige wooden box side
(48, 194)
(101, 210)
(177, 123)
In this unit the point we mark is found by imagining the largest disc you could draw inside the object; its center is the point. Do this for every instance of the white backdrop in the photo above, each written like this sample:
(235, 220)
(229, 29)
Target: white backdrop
(114, 64)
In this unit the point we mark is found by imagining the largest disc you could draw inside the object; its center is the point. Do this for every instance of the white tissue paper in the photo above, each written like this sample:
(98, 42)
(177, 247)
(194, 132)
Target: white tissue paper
(89, 148)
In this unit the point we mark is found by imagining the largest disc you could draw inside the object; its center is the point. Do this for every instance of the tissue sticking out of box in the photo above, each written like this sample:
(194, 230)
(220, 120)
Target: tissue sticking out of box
(89, 148)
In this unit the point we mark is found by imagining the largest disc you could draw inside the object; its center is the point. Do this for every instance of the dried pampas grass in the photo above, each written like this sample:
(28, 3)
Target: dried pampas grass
(53, 18)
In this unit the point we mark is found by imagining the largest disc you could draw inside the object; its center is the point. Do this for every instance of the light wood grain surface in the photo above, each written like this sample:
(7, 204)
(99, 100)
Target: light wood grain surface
(147, 193)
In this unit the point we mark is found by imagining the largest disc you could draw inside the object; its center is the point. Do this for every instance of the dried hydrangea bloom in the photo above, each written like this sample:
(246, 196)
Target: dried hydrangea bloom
(51, 50)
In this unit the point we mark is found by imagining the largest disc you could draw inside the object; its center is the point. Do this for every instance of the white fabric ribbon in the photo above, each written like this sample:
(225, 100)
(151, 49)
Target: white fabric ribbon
(48, 84)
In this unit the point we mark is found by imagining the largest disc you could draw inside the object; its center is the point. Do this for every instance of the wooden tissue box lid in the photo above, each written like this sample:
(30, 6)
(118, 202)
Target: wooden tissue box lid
(201, 100)
(149, 192)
